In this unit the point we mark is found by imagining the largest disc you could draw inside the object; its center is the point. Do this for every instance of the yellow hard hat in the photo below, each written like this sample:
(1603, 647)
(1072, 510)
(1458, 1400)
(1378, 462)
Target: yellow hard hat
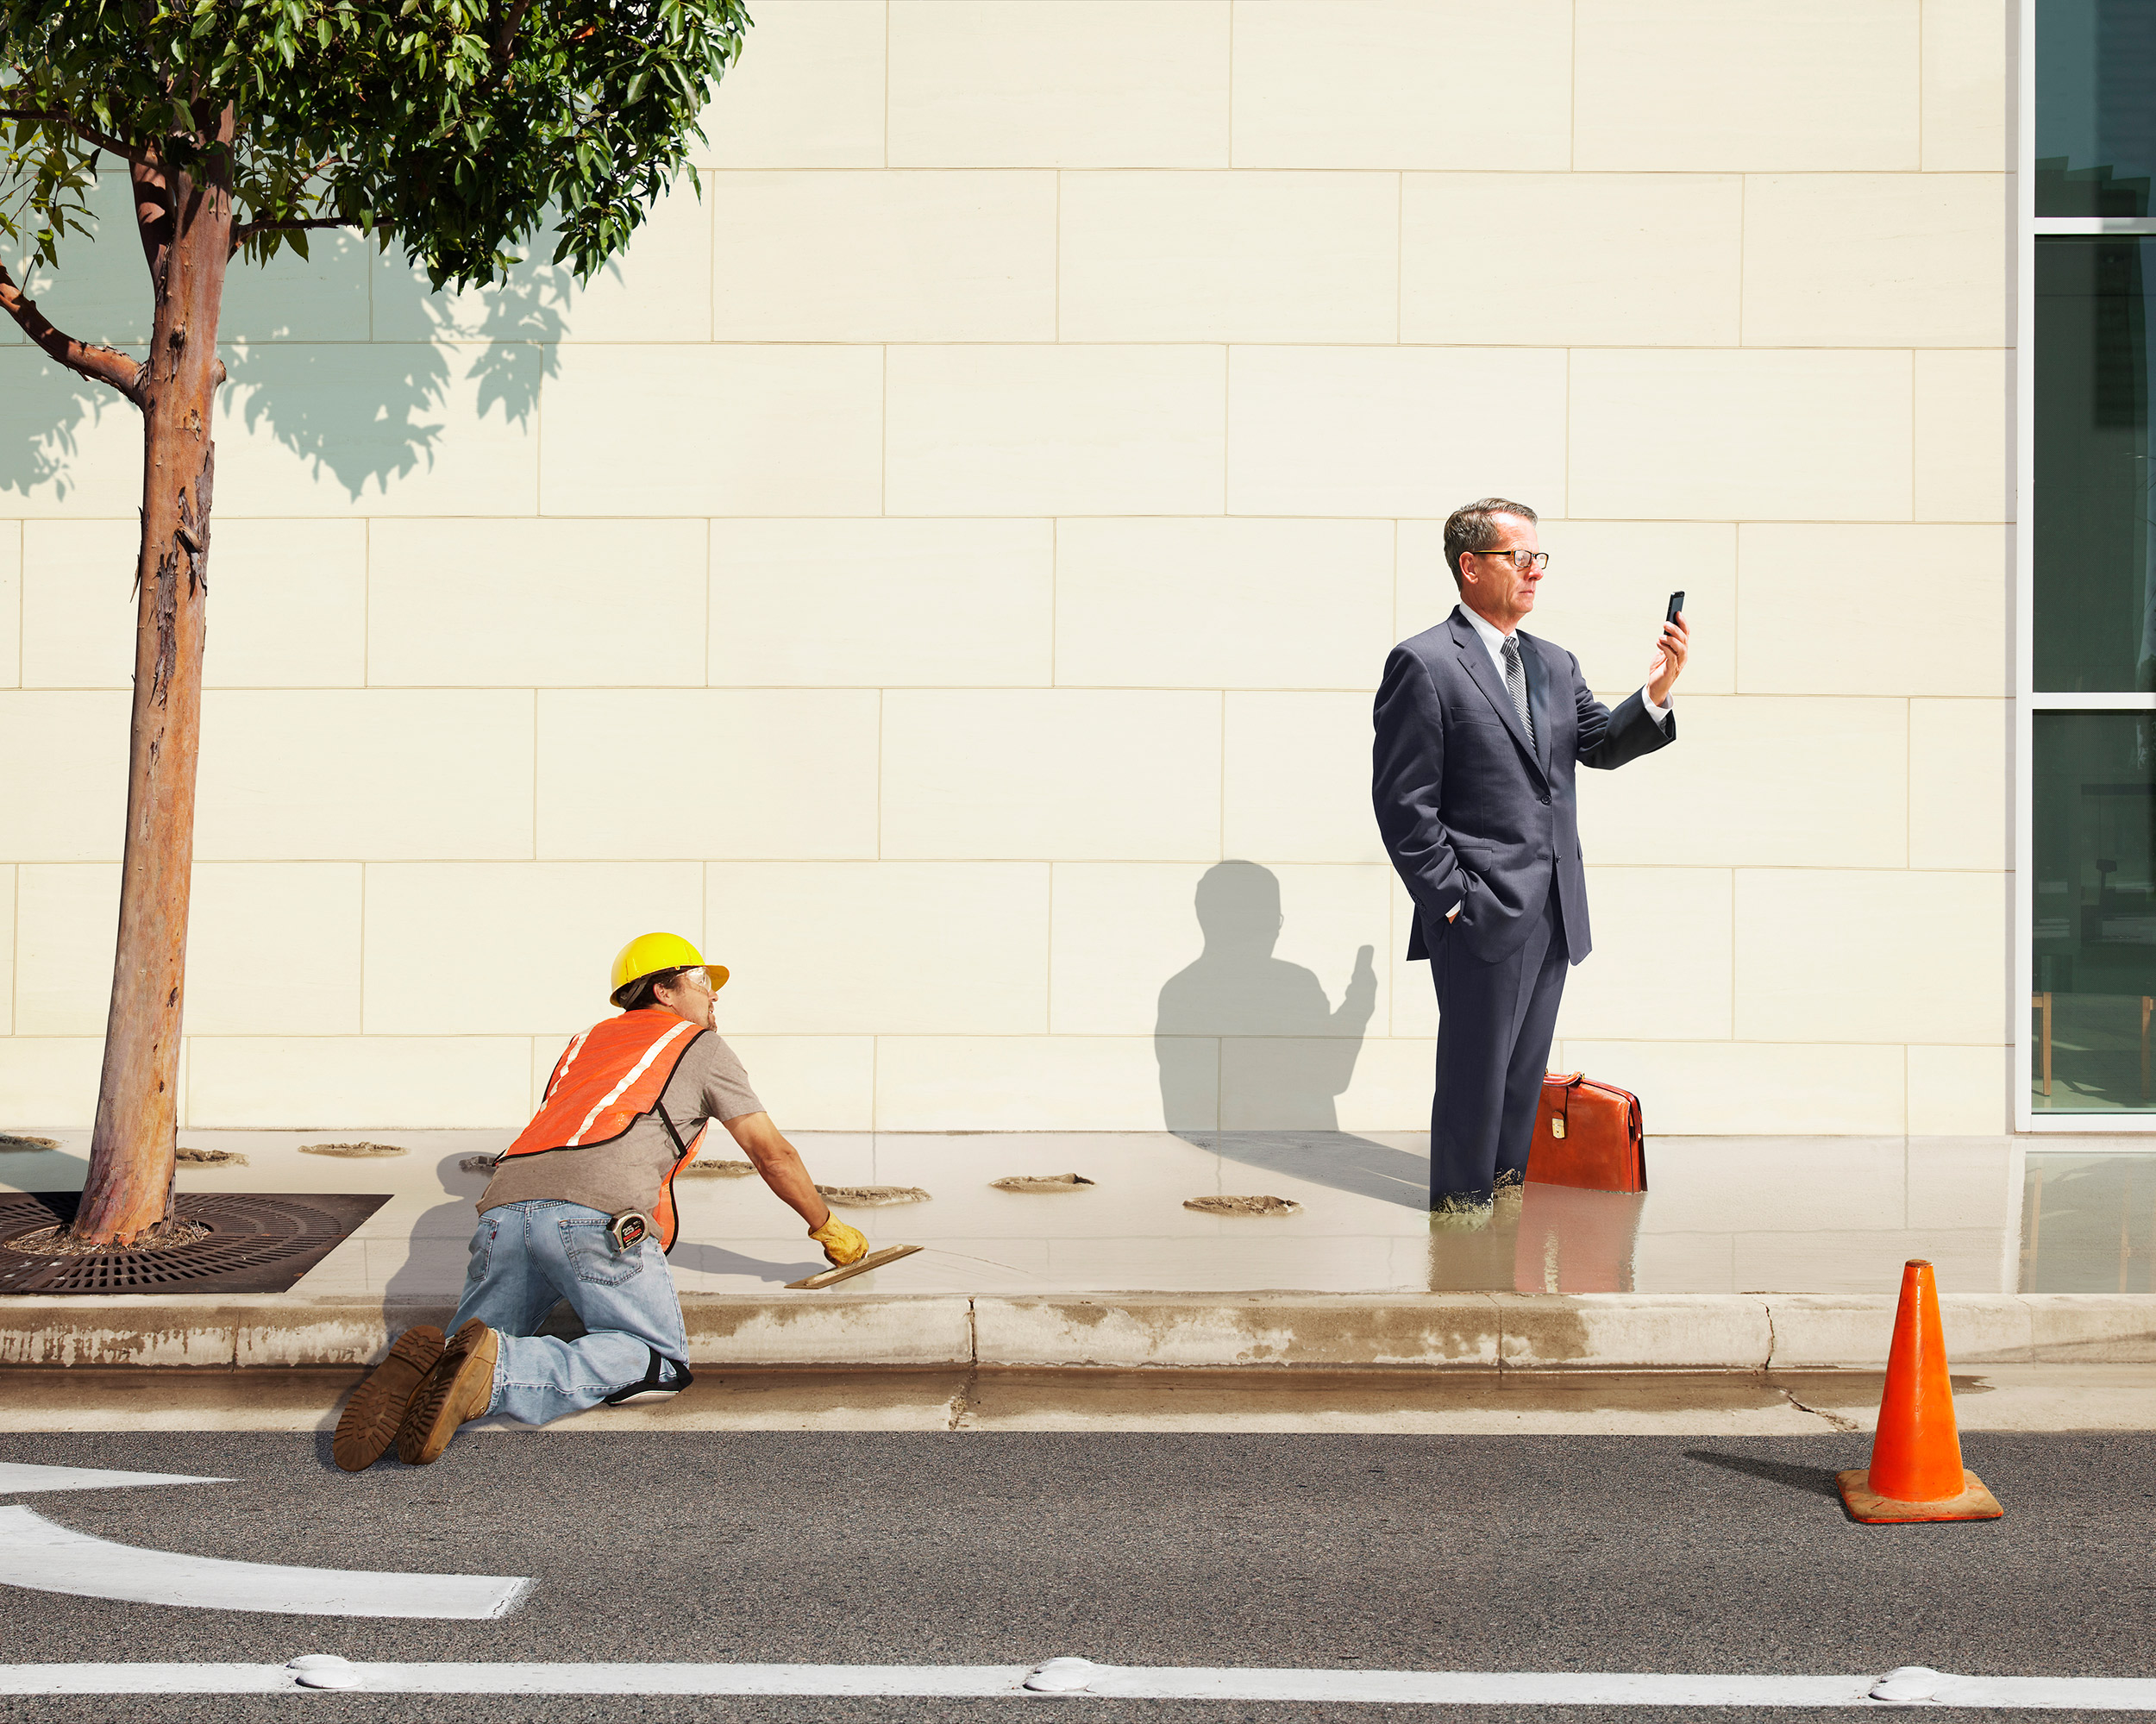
(647, 954)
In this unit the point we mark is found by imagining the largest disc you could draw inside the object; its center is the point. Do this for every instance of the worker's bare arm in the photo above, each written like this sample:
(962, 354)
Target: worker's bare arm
(780, 1164)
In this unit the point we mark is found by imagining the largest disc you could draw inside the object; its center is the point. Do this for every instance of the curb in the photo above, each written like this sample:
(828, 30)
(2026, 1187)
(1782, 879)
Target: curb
(1472, 1331)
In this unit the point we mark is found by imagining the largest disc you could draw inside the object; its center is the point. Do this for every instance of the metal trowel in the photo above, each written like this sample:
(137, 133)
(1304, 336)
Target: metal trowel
(831, 1277)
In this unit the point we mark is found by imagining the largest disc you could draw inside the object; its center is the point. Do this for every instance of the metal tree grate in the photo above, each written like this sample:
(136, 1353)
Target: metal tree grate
(256, 1244)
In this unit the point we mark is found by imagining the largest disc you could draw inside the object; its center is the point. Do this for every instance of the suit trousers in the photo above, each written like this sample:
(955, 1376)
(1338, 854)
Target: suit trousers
(1494, 1023)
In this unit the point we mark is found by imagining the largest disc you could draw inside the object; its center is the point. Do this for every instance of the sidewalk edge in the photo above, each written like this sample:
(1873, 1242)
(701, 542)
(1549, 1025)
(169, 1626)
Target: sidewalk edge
(1472, 1331)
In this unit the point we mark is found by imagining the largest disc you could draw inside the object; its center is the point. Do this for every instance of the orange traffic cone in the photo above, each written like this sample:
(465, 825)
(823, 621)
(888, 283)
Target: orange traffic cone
(1916, 1472)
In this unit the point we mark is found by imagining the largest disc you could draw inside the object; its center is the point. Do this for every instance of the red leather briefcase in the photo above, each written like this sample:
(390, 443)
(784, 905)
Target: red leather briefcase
(1587, 1135)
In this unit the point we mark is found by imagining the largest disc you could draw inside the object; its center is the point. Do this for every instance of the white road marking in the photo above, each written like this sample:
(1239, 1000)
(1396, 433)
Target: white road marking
(45, 1557)
(17, 1477)
(1427, 1688)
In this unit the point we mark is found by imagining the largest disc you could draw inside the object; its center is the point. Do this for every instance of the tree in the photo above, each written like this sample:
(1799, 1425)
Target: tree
(458, 130)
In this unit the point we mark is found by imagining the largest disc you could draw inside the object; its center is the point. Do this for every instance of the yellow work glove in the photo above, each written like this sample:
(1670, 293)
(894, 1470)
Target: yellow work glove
(841, 1245)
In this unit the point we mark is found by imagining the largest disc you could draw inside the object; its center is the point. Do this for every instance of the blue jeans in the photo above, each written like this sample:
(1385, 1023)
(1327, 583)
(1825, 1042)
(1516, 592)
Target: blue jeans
(526, 1256)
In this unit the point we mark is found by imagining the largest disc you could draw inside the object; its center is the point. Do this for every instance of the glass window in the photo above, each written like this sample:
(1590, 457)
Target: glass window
(2094, 554)
(2094, 846)
(2096, 127)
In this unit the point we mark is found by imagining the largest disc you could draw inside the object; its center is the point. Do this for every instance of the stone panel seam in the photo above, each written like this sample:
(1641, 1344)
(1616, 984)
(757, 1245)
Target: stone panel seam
(1921, 165)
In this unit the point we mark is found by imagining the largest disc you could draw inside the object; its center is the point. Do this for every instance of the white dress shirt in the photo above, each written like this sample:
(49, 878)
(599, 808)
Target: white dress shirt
(1494, 639)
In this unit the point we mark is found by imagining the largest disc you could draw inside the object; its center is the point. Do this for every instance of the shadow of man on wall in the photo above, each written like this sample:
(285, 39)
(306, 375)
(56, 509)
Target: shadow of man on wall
(1253, 1054)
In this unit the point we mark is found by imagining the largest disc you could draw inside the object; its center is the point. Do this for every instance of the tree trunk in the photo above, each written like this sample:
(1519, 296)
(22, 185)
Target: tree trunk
(128, 1193)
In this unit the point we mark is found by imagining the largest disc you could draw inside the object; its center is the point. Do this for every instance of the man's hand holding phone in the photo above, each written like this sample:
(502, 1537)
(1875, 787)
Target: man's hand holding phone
(1670, 652)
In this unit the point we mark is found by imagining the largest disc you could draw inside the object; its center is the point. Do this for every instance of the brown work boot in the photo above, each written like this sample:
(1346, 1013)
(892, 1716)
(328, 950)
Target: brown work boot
(369, 1422)
(456, 1390)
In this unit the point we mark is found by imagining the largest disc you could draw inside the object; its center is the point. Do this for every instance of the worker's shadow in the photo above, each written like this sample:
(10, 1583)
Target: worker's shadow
(689, 1254)
(440, 1243)
(1252, 1053)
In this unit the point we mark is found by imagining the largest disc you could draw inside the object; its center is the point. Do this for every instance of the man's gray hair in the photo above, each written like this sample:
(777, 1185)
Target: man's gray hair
(1475, 528)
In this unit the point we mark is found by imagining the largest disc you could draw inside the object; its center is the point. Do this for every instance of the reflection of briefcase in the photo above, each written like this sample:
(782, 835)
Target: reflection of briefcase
(1586, 1134)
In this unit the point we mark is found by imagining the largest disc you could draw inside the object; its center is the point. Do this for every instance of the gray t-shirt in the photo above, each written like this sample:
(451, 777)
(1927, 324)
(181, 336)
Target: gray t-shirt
(709, 1083)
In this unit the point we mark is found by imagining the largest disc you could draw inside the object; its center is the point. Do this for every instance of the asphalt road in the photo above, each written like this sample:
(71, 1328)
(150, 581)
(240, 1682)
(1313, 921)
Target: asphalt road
(1524, 1553)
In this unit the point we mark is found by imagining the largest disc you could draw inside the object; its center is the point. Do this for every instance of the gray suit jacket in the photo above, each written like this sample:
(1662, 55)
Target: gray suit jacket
(1471, 814)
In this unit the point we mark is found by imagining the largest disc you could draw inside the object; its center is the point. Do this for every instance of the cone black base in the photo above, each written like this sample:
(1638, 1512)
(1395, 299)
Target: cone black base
(1866, 1504)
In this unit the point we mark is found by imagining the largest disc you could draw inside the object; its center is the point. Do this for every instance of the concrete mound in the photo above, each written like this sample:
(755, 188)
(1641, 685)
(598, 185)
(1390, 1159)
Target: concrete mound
(352, 1151)
(1242, 1205)
(187, 1157)
(1045, 1181)
(870, 1196)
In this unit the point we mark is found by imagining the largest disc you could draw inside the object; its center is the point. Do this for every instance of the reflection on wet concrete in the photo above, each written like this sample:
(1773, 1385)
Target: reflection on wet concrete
(1575, 1241)
(2088, 1223)
(1541, 1238)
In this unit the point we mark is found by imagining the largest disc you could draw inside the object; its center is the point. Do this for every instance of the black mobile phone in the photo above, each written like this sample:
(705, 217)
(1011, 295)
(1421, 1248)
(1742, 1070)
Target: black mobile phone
(1677, 603)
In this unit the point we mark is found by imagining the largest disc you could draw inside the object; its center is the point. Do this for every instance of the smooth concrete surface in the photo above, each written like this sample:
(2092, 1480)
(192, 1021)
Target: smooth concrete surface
(1817, 1215)
(1744, 1254)
(1639, 1403)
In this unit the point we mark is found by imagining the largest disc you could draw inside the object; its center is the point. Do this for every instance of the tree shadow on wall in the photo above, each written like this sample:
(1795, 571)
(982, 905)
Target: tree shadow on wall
(346, 357)
(1252, 1053)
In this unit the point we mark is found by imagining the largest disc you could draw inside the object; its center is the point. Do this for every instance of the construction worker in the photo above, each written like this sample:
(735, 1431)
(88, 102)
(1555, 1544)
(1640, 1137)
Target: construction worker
(581, 1208)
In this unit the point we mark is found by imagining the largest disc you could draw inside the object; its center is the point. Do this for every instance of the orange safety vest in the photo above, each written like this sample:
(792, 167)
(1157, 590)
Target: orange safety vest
(610, 1076)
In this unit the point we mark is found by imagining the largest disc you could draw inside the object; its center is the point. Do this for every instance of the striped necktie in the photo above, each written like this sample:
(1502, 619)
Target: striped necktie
(1516, 685)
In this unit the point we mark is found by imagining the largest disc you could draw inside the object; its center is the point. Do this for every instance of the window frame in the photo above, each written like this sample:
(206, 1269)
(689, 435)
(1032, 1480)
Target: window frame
(2027, 702)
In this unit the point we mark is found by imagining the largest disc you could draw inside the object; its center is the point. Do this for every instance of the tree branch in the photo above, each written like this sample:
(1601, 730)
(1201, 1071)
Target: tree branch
(505, 38)
(100, 365)
(89, 134)
(240, 235)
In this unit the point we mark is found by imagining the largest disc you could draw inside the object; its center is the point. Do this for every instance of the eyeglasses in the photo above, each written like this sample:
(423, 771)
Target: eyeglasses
(1519, 559)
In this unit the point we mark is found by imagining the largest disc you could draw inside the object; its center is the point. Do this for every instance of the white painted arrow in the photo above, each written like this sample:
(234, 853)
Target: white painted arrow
(17, 1477)
(40, 1554)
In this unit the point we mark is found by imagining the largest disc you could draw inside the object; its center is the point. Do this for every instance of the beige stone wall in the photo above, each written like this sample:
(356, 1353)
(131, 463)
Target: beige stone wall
(990, 504)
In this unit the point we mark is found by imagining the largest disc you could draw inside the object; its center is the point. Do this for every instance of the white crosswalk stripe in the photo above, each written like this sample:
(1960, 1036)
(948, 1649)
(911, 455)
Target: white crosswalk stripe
(1431, 1688)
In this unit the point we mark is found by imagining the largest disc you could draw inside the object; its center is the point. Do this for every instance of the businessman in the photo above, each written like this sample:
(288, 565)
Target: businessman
(1479, 728)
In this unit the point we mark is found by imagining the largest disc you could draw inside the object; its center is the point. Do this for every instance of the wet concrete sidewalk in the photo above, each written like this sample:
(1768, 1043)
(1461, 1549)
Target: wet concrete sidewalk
(1721, 1215)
